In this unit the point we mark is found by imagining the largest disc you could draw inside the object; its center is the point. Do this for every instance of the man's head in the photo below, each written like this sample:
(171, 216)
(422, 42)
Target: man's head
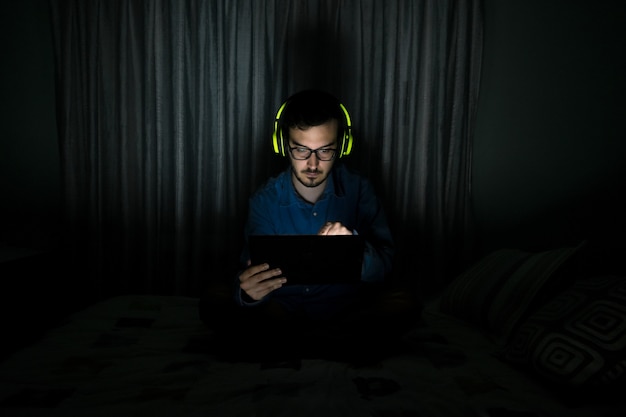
(313, 129)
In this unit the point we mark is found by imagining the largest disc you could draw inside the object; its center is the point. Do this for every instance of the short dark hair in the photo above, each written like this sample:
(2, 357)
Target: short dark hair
(311, 108)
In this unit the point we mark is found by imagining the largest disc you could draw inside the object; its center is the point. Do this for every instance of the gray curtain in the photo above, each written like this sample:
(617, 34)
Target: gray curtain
(165, 111)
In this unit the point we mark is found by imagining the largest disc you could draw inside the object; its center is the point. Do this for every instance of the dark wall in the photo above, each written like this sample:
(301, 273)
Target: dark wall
(548, 150)
(30, 196)
(550, 146)
(38, 281)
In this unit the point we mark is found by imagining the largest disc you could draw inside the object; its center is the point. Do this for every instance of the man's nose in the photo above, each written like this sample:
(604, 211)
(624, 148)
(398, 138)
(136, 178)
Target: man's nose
(313, 160)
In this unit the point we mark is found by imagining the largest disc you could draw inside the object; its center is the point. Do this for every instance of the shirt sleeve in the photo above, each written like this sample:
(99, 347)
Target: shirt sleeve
(379, 245)
(258, 222)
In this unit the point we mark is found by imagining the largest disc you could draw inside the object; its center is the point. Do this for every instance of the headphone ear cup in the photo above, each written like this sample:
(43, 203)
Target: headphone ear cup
(346, 142)
(281, 141)
(277, 140)
(277, 137)
(346, 147)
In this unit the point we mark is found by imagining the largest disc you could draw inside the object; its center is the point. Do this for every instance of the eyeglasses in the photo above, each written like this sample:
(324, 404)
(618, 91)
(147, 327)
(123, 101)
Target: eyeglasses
(302, 152)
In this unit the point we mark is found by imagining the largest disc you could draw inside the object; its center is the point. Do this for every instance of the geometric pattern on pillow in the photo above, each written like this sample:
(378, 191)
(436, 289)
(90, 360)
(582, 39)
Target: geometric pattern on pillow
(578, 338)
(496, 292)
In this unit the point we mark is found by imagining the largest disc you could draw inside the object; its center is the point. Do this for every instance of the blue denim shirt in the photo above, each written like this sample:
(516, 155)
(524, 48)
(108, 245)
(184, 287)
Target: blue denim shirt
(349, 198)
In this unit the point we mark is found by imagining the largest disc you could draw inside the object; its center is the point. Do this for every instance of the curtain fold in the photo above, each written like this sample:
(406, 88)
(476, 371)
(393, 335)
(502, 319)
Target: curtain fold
(165, 110)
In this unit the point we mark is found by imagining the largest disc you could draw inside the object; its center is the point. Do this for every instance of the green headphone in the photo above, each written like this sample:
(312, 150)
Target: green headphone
(280, 145)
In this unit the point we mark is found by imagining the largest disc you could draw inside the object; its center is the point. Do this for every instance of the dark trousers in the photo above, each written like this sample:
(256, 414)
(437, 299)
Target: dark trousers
(371, 326)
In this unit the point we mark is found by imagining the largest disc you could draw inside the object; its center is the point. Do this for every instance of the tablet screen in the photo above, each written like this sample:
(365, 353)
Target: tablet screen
(310, 259)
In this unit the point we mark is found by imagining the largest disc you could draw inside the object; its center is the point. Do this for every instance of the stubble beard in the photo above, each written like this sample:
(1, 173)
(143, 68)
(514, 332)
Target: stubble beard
(310, 182)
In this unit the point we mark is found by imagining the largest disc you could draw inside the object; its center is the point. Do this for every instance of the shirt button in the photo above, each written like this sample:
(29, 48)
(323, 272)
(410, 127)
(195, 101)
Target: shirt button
(315, 213)
(306, 290)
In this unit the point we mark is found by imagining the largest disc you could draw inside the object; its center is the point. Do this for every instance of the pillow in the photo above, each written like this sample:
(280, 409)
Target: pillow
(502, 288)
(578, 339)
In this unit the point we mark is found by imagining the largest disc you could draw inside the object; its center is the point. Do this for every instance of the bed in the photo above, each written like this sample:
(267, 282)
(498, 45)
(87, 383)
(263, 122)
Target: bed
(146, 355)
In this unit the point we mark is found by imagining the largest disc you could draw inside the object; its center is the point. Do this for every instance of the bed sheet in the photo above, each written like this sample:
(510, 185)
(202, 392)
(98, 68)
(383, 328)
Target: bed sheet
(148, 355)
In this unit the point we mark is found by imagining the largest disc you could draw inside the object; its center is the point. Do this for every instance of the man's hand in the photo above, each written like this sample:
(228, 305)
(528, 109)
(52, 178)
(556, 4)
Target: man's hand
(334, 228)
(258, 280)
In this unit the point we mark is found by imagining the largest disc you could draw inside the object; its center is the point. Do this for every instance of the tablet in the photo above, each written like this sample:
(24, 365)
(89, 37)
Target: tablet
(310, 259)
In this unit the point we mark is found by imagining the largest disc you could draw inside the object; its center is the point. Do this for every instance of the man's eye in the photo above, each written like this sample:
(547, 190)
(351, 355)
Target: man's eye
(302, 150)
(324, 151)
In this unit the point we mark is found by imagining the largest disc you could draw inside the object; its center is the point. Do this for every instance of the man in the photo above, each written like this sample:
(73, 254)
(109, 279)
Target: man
(316, 194)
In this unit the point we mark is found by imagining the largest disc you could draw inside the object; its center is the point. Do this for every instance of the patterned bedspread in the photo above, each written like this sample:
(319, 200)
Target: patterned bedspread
(147, 356)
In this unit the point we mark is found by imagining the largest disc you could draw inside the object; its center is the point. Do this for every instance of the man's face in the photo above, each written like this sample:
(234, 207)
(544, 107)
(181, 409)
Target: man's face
(312, 172)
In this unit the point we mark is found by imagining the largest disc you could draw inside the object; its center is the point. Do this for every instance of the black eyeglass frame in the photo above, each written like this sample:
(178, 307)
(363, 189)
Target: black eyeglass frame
(313, 151)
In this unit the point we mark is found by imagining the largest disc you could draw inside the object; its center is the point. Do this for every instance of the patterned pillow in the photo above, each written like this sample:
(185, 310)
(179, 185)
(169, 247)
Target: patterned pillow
(578, 339)
(502, 288)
